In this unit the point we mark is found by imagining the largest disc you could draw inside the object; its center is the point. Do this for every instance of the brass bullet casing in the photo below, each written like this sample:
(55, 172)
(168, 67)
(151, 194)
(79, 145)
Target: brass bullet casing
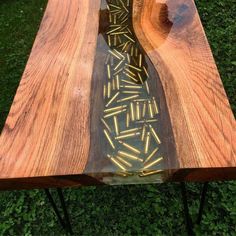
(130, 130)
(157, 161)
(131, 148)
(116, 162)
(154, 134)
(129, 71)
(118, 53)
(128, 98)
(145, 70)
(131, 92)
(109, 40)
(147, 87)
(113, 30)
(144, 109)
(112, 99)
(140, 60)
(127, 36)
(124, 161)
(117, 82)
(104, 91)
(133, 67)
(131, 86)
(109, 89)
(118, 108)
(147, 143)
(130, 135)
(113, 84)
(114, 113)
(115, 55)
(148, 173)
(109, 71)
(155, 105)
(130, 156)
(150, 109)
(151, 155)
(127, 120)
(131, 77)
(118, 71)
(106, 125)
(138, 116)
(109, 138)
(128, 58)
(143, 132)
(116, 125)
(118, 65)
(128, 82)
(140, 78)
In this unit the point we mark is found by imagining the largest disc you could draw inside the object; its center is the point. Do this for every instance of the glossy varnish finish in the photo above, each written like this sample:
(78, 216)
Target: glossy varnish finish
(203, 124)
(47, 130)
(49, 127)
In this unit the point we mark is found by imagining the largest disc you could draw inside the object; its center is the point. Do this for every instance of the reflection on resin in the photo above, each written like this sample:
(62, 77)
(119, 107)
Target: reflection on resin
(131, 138)
(130, 111)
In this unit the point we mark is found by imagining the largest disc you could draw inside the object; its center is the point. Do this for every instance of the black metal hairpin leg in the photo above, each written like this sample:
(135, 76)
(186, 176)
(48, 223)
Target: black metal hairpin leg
(64, 221)
(188, 219)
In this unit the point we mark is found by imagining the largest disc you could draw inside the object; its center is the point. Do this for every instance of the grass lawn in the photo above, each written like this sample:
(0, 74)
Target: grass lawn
(126, 210)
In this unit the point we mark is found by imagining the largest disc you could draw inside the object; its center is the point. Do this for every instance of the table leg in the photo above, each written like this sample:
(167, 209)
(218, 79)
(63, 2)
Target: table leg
(64, 221)
(188, 219)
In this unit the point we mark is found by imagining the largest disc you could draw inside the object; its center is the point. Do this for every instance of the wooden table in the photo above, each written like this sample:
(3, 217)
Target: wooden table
(118, 95)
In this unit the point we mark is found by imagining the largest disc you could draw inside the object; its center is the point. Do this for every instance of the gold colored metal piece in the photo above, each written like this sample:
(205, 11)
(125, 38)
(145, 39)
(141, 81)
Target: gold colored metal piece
(132, 111)
(154, 134)
(109, 138)
(131, 92)
(155, 105)
(157, 161)
(106, 125)
(140, 60)
(109, 89)
(151, 155)
(104, 91)
(144, 109)
(127, 135)
(131, 86)
(150, 109)
(112, 99)
(148, 173)
(143, 132)
(109, 71)
(131, 77)
(130, 130)
(140, 78)
(124, 161)
(117, 82)
(131, 148)
(147, 87)
(116, 125)
(128, 98)
(137, 111)
(133, 67)
(147, 143)
(115, 108)
(127, 120)
(117, 163)
(114, 113)
(128, 82)
(145, 70)
(128, 155)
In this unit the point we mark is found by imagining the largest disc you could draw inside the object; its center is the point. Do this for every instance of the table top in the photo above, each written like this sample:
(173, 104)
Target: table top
(118, 92)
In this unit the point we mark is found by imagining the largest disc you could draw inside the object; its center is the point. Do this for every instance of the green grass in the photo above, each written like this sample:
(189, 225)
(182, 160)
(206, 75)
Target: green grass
(126, 210)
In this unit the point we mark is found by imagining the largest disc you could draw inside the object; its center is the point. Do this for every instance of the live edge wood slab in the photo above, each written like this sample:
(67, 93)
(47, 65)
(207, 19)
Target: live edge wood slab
(46, 141)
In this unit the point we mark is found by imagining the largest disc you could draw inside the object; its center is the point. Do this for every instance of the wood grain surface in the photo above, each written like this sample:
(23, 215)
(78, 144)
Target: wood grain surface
(47, 130)
(46, 141)
(203, 124)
